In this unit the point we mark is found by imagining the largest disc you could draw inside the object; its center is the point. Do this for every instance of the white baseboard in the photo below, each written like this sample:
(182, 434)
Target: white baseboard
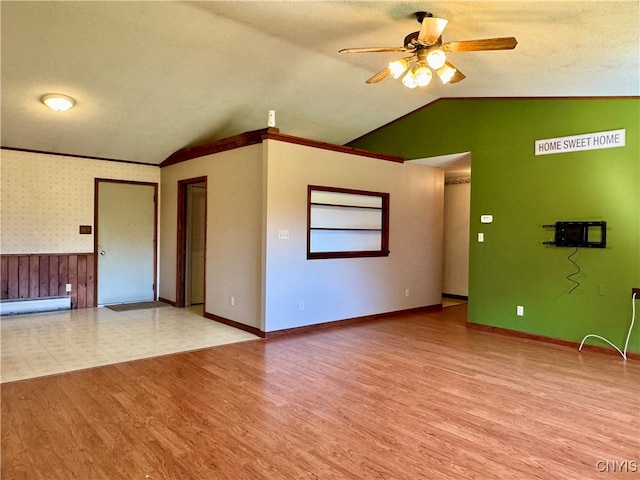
(33, 305)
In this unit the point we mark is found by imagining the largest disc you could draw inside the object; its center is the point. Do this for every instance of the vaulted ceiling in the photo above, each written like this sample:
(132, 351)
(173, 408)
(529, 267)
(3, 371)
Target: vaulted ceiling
(150, 78)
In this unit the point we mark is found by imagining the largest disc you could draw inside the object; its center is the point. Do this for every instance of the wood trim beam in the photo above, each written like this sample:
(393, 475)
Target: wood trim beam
(166, 300)
(329, 146)
(229, 143)
(181, 240)
(232, 323)
(258, 136)
(318, 326)
(453, 295)
(545, 339)
(72, 155)
(350, 321)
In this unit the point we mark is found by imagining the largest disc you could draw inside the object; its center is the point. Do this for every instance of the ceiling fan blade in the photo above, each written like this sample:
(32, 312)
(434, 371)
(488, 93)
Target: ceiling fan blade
(373, 50)
(378, 77)
(431, 30)
(504, 43)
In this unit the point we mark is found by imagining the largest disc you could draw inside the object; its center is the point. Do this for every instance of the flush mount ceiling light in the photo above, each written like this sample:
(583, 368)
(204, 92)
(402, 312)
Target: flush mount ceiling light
(58, 102)
(429, 54)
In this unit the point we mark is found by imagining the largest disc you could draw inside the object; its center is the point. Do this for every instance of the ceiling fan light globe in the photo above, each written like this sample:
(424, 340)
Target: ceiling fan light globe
(409, 80)
(422, 76)
(446, 73)
(436, 59)
(398, 67)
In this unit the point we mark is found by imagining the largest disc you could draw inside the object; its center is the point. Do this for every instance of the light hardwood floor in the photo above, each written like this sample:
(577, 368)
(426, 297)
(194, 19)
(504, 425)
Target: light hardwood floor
(413, 396)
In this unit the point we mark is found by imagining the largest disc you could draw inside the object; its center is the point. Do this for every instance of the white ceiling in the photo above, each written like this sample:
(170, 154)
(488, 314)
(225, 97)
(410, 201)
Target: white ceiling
(455, 165)
(151, 78)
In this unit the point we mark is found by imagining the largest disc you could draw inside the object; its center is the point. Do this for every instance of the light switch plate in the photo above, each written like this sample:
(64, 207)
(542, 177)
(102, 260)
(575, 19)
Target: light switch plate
(283, 234)
(486, 218)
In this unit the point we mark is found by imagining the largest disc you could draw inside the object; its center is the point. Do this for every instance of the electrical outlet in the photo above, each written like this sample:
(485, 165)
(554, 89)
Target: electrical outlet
(520, 311)
(636, 291)
(68, 287)
(301, 306)
(232, 300)
(406, 292)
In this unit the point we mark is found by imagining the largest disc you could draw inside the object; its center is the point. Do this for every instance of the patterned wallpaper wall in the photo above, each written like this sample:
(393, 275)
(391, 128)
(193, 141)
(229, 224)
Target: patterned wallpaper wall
(45, 198)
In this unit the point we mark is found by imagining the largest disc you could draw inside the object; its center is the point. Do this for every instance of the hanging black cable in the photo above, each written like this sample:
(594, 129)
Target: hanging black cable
(577, 284)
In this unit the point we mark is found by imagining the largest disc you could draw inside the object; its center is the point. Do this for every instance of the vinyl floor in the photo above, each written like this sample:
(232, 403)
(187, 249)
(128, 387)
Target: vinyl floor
(36, 345)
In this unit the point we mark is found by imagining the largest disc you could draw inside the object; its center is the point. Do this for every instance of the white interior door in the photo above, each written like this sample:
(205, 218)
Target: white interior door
(126, 242)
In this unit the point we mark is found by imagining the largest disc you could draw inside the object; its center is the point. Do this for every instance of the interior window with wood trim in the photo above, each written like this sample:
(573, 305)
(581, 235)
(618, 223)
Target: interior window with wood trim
(344, 223)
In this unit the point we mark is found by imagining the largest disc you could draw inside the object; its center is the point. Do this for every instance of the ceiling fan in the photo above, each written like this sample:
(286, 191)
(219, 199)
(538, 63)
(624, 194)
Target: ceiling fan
(428, 54)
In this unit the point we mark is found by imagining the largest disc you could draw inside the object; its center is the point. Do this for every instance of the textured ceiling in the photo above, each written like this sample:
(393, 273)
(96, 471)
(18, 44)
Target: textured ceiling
(151, 78)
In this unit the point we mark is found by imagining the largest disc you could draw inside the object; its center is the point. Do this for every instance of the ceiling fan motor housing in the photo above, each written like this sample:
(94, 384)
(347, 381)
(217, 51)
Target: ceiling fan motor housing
(411, 42)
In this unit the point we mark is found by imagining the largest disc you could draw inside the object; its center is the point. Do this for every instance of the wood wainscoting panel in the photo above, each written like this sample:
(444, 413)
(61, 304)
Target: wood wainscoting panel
(47, 275)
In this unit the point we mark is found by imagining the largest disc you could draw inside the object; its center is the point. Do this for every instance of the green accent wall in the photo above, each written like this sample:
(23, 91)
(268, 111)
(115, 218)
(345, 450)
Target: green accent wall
(523, 192)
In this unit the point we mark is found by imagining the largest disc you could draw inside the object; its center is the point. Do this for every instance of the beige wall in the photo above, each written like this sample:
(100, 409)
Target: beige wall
(335, 289)
(455, 271)
(234, 231)
(45, 198)
(255, 191)
(252, 193)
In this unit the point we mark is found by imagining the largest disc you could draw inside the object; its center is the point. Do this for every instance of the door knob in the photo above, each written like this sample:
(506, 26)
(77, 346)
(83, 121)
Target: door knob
(102, 252)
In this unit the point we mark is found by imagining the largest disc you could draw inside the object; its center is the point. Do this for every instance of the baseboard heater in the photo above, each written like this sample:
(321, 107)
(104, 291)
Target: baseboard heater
(34, 305)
